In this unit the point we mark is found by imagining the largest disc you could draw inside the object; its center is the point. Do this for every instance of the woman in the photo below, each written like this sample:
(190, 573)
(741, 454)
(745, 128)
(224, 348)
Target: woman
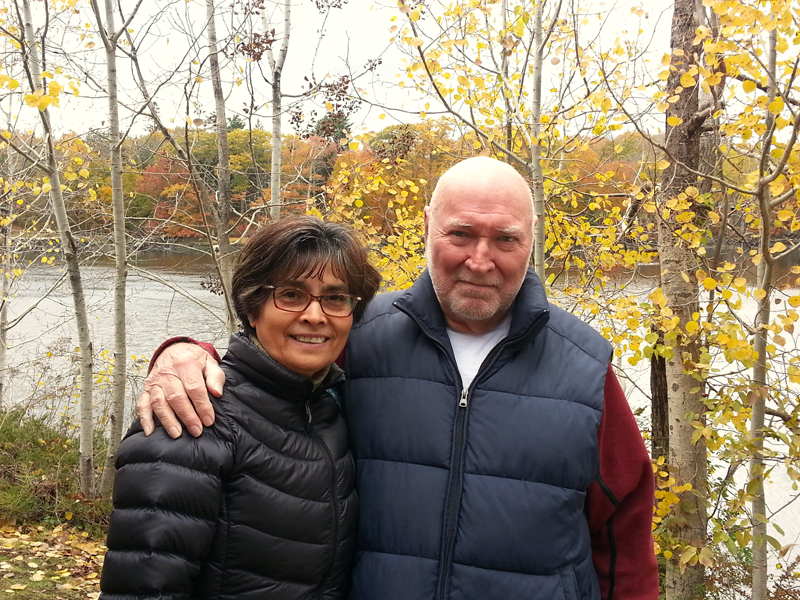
(262, 506)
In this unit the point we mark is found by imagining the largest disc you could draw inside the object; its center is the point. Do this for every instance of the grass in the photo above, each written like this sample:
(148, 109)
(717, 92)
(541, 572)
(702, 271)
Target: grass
(51, 537)
(39, 476)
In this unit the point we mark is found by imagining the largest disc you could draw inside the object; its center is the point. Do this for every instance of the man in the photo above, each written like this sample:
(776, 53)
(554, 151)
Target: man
(496, 455)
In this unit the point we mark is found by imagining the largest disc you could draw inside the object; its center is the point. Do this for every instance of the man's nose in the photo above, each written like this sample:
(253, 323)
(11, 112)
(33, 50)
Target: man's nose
(480, 259)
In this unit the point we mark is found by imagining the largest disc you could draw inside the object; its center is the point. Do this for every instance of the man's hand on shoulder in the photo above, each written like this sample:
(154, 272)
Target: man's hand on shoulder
(176, 390)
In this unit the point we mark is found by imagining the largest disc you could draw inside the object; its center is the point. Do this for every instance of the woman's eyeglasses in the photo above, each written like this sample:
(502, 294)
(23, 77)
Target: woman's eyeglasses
(333, 304)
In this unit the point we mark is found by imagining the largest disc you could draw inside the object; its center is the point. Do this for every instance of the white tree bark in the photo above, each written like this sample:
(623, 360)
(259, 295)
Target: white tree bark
(765, 276)
(5, 273)
(222, 207)
(276, 69)
(536, 150)
(69, 248)
(110, 37)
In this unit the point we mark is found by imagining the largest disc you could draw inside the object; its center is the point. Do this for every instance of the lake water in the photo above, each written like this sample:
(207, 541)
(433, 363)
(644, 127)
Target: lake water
(41, 370)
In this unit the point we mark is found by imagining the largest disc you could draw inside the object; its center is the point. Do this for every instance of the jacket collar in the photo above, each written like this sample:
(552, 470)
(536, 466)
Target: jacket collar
(528, 315)
(264, 372)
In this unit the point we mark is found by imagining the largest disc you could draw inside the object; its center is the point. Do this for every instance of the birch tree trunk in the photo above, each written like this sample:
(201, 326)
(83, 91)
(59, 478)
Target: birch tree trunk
(70, 250)
(5, 273)
(276, 69)
(680, 288)
(759, 395)
(222, 207)
(110, 37)
(536, 152)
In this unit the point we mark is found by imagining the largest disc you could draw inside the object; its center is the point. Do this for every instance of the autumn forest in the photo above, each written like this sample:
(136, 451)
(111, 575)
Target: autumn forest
(659, 140)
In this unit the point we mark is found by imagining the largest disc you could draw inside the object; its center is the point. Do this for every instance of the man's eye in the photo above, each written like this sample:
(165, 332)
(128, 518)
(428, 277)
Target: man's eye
(459, 234)
(507, 239)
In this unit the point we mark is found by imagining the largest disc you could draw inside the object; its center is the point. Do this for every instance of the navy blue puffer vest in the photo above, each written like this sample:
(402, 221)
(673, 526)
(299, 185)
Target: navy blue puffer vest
(474, 494)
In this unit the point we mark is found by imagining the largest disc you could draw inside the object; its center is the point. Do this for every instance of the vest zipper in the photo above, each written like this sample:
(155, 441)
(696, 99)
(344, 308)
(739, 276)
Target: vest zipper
(455, 481)
(334, 503)
(453, 501)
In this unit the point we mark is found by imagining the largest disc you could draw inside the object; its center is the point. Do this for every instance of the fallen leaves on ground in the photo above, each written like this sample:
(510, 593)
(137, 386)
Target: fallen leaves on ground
(56, 564)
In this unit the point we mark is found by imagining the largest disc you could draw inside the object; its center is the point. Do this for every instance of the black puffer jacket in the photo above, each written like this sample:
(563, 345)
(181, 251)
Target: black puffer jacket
(260, 507)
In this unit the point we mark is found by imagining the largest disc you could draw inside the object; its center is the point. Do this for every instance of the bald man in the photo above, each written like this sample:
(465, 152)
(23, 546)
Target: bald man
(497, 457)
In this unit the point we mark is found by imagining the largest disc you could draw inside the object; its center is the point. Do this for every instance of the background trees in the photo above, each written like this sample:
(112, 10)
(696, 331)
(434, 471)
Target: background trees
(665, 170)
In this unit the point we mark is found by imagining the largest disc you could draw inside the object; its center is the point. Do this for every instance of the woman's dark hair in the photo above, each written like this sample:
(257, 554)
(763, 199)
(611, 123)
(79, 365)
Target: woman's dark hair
(298, 247)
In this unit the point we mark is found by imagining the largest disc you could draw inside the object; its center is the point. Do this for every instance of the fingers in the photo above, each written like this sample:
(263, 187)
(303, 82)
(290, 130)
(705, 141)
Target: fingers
(215, 377)
(161, 407)
(145, 413)
(211, 380)
(177, 376)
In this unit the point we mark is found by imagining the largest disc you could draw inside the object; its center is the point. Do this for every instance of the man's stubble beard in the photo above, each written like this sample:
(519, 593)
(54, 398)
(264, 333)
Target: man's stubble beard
(467, 308)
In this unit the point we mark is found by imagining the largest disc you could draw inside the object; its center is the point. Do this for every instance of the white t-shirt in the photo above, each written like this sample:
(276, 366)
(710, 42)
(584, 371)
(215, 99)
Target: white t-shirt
(470, 349)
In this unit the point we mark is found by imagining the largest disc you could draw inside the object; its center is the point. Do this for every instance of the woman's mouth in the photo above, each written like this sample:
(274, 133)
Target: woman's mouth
(310, 339)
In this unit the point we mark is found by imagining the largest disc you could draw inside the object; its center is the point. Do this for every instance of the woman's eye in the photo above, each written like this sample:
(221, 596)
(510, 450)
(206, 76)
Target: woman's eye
(336, 298)
(290, 294)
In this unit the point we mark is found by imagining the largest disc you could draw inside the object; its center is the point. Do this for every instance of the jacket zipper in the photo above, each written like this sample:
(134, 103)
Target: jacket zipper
(455, 484)
(334, 496)
(453, 500)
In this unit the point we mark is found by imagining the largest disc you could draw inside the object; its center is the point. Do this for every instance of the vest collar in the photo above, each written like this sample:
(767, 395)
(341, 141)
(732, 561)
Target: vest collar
(529, 313)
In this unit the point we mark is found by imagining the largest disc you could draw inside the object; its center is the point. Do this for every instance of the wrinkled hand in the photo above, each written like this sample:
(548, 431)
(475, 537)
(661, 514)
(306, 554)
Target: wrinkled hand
(175, 389)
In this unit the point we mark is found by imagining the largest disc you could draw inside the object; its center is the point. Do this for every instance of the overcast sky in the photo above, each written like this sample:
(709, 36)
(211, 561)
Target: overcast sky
(347, 38)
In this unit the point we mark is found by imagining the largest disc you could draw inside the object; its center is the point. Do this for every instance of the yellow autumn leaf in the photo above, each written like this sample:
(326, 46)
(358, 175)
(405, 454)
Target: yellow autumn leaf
(749, 86)
(785, 215)
(46, 188)
(759, 294)
(687, 80)
(692, 327)
(353, 145)
(709, 283)
(414, 14)
(794, 301)
(68, 516)
(415, 41)
(778, 247)
(662, 164)
(84, 173)
(674, 121)
(54, 89)
(32, 100)
(776, 106)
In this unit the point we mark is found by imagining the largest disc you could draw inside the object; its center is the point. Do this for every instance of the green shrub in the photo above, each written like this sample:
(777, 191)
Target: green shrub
(39, 475)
